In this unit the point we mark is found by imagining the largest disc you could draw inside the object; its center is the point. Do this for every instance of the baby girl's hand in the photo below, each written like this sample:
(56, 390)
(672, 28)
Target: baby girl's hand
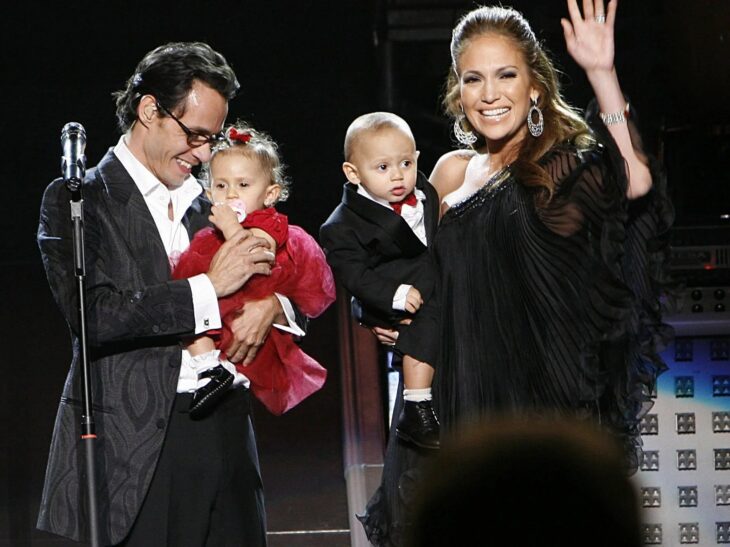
(224, 218)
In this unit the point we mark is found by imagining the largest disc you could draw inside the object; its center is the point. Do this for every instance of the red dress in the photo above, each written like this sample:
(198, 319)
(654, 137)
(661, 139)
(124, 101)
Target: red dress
(281, 375)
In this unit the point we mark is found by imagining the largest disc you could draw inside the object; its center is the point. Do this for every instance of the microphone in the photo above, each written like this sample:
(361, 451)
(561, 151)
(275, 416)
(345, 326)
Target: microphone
(73, 161)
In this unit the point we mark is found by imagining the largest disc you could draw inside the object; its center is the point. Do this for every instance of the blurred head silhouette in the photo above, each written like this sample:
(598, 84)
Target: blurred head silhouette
(528, 483)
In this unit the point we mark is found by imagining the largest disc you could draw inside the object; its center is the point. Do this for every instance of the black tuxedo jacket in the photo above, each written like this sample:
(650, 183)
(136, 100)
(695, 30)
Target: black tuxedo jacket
(136, 316)
(372, 251)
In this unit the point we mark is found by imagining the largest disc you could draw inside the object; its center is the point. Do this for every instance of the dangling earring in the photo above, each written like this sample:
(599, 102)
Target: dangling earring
(535, 128)
(464, 137)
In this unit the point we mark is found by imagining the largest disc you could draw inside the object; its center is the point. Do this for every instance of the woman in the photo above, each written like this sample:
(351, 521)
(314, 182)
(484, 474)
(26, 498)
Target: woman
(547, 247)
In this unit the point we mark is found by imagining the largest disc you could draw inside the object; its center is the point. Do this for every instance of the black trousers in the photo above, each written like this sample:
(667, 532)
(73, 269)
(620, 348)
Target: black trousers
(206, 491)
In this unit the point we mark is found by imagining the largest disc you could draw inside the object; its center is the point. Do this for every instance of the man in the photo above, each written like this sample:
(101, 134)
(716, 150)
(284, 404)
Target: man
(163, 478)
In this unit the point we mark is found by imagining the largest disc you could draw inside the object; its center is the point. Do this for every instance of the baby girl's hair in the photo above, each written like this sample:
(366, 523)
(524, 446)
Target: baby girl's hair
(243, 139)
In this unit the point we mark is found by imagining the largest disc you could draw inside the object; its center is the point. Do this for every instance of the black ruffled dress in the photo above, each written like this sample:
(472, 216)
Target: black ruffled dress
(541, 311)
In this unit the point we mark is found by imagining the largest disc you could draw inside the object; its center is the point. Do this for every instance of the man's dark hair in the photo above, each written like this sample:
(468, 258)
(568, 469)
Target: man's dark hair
(168, 73)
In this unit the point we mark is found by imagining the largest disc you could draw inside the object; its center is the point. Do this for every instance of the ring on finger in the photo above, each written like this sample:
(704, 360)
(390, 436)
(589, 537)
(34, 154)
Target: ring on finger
(600, 18)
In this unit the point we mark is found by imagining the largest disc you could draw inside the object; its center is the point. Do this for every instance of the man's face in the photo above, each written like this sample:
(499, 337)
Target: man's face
(165, 149)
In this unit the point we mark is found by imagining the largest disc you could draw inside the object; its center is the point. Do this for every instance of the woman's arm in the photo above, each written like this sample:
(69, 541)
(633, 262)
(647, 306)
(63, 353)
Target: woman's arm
(590, 41)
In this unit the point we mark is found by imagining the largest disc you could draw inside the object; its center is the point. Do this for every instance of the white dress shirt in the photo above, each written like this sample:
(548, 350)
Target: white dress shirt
(414, 217)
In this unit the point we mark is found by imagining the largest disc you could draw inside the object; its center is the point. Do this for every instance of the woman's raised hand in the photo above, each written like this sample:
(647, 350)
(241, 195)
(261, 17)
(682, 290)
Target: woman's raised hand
(589, 37)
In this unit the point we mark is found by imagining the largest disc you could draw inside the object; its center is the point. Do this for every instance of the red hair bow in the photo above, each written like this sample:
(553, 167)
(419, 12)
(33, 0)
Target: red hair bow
(234, 135)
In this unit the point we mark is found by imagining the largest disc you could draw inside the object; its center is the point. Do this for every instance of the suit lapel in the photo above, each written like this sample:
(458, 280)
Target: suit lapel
(430, 206)
(196, 217)
(391, 223)
(134, 220)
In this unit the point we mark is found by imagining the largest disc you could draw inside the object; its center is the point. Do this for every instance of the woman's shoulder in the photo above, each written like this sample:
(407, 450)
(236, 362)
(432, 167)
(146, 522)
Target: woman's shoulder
(454, 160)
(448, 173)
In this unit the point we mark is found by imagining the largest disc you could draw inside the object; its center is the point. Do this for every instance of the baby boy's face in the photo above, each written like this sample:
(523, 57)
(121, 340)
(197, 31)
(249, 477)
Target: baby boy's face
(386, 162)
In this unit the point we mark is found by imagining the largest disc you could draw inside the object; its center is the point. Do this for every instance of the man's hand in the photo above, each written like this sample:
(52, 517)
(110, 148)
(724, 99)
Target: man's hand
(236, 261)
(413, 300)
(251, 328)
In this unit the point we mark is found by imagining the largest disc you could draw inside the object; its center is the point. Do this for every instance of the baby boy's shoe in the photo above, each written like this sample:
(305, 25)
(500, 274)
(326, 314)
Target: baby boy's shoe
(419, 425)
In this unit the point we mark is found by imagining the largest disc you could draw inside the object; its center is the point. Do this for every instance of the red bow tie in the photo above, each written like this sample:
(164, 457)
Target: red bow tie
(410, 199)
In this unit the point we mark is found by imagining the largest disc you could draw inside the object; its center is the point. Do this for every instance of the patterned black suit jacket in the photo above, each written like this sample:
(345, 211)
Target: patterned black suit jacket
(136, 315)
(372, 251)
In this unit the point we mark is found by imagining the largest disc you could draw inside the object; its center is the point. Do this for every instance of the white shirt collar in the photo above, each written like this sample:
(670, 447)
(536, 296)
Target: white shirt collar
(147, 182)
(420, 196)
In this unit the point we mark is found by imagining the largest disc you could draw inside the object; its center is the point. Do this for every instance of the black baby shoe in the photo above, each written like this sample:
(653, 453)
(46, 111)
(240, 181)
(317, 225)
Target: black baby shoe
(206, 397)
(419, 425)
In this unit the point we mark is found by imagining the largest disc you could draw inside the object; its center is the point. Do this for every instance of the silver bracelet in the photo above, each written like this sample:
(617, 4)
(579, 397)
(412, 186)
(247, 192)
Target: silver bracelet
(615, 117)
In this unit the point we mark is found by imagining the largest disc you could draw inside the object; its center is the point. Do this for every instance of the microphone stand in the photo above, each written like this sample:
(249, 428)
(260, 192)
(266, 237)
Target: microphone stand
(88, 435)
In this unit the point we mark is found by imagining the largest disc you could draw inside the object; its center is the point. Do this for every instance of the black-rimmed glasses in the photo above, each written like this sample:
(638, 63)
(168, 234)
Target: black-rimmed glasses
(194, 138)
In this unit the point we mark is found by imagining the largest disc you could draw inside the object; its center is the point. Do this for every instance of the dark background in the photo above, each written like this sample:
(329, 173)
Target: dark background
(307, 69)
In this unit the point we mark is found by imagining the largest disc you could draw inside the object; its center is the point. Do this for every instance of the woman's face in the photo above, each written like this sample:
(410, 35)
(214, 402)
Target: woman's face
(495, 90)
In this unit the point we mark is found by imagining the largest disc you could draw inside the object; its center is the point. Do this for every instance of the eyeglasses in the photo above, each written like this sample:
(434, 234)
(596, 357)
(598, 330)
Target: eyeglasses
(194, 138)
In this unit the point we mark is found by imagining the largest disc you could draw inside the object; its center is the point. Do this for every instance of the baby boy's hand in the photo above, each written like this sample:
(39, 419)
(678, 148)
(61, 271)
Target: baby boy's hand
(224, 218)
(413, 300)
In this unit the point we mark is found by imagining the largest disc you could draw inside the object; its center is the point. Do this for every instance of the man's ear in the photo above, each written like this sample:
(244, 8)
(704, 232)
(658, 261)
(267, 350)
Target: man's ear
(351, 172)
(147, 109)
(418, 153)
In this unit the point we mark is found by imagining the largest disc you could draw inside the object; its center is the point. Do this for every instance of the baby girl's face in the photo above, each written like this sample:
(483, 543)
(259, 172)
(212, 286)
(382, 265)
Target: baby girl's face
(238, 178)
